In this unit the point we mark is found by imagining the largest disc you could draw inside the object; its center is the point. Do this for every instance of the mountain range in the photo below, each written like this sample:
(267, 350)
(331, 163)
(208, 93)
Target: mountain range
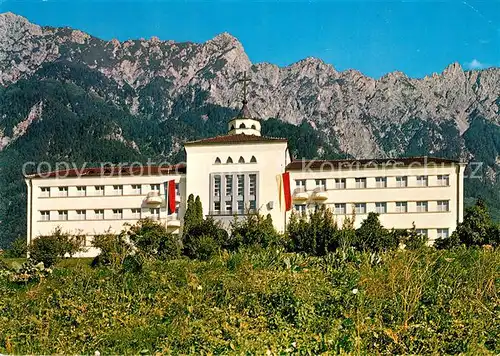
(68, 96)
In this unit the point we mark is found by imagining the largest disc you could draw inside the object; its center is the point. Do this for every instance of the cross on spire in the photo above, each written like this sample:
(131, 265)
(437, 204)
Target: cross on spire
(245, 81)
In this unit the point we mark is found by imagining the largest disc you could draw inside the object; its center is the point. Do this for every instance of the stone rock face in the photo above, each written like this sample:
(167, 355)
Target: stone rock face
(356, 110)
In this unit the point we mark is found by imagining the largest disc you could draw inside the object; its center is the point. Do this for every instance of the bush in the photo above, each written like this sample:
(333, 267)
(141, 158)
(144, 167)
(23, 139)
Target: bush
(254, 230)
(49, 249)
(411, 239)
(114, 249)
(18, 248)
(199, 235)
(372, 236)
(316, 233)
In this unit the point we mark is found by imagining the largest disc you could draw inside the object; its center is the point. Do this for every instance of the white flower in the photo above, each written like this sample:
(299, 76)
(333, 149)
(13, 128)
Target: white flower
(199, 287)
(294, 344)
(97, 353)
(355, 291)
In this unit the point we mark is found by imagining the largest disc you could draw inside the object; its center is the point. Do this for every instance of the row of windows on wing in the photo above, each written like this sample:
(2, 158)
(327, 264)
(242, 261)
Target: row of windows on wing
(380, 207)
(243, 126)
(101, 214)
(240, 160)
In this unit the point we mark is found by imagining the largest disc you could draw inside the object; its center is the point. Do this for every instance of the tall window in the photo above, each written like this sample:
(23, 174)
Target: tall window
(45, 215)
(252, 184)
(81, 191)
(422, 206)
(443, 233)
(63, 214)
(241, 185)
(45, 192)
(81, 215)
(229, 207)
(360, 208)
(401, 181)
(136, 213)
(118, 189)
(340, 183)
(381, 208)
(360, 182)
(252, 206)
(99, 214)
(401, 207)
(443, 205)
(136, 189)
(443, 180)
(380, 182)
(229, 185)
(217, 186)
(177, 190)
(241, 207)
(63, 191)
(422, 181)
(118, 214)
(217, 207)
(241, 160)
(340, 208)
(99, 190)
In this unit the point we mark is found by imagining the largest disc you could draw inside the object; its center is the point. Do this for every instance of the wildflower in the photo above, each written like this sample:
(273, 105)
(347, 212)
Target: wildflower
(199, 287)
(97, 353)
(355, 291)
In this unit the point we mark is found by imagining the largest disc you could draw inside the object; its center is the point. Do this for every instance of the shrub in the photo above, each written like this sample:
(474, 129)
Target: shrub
(372, 236)
(196, 238)
(411, 239)
(254, 230)
(316, 233)
(46, 249)
(18, 248)
(114, 249)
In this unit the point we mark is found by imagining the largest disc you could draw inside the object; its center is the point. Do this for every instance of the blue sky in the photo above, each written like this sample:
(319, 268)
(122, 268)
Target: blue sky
(375, 37)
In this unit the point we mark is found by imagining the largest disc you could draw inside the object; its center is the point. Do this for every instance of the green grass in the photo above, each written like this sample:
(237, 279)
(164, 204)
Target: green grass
(402, 302)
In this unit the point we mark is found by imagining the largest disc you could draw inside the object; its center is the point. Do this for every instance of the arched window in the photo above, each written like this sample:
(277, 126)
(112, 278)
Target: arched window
(253, 127)
(241, 160)
(229, 160)
(242, 126)
(232, 127)
(253, 160)
(217, 160)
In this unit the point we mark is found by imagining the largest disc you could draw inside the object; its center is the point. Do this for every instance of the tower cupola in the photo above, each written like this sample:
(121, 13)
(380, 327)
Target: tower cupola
(244, 123)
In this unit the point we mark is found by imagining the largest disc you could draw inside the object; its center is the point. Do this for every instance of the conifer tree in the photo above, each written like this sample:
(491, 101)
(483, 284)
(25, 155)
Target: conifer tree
(198, 210)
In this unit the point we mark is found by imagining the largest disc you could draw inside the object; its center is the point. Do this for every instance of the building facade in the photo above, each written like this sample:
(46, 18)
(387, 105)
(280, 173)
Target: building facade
(238, 174)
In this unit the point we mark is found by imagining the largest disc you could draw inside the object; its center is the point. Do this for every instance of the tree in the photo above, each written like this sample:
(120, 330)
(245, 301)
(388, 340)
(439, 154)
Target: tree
(190, 214)
(254, 230)
(372, 236)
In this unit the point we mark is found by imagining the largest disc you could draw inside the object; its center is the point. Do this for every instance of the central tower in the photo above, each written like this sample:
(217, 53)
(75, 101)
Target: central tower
(244, 123)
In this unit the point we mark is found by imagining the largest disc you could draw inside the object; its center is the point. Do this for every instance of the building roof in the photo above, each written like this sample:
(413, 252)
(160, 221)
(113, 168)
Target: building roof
(113, 171)
(235, 139)
(367, 163)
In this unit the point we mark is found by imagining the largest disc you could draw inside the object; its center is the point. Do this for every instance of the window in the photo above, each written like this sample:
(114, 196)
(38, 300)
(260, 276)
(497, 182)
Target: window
(443, 205)
(229, 207)
(99, 214)
(81, 191)
(177, 191)
(360, 182)
(229, 160)
(155, 187)
(253, 159)
(242, 126)
(252, 189)
(253, 127)
(45, 215)
(422, 206)
(81, 215)
(340, 183)
(217, 186)
(321, 184)
(301, 208)
(241, 160)
(422, 232)
(360, 208)
(402, 181)
(117, 213)
(380, 182)
(340, 208)
(381, 208)
(422, 181)
(118, 189)
(443, 180)
(63, 191)
(99, 190)
(136, 189)
(252, 205)
(300, 185)
(229, 185)
(241, 208)
(217, 160)
(442, 233)
(241, 185)
(45, 192)
(154, 213)
(401, 207)
(217, 207)
(63, 214)
(136, 213)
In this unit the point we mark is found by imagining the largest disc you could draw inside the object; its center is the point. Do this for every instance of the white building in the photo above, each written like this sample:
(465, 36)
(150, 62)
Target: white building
(238, 173)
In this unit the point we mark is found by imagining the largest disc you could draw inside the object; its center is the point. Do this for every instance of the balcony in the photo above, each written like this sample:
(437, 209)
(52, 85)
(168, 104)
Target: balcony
(154, 198)
(320, 194)
(300, 194)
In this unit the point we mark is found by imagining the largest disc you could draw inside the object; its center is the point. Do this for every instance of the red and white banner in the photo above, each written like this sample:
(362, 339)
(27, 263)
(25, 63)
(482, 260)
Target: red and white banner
(285, 195)
(170, 196)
